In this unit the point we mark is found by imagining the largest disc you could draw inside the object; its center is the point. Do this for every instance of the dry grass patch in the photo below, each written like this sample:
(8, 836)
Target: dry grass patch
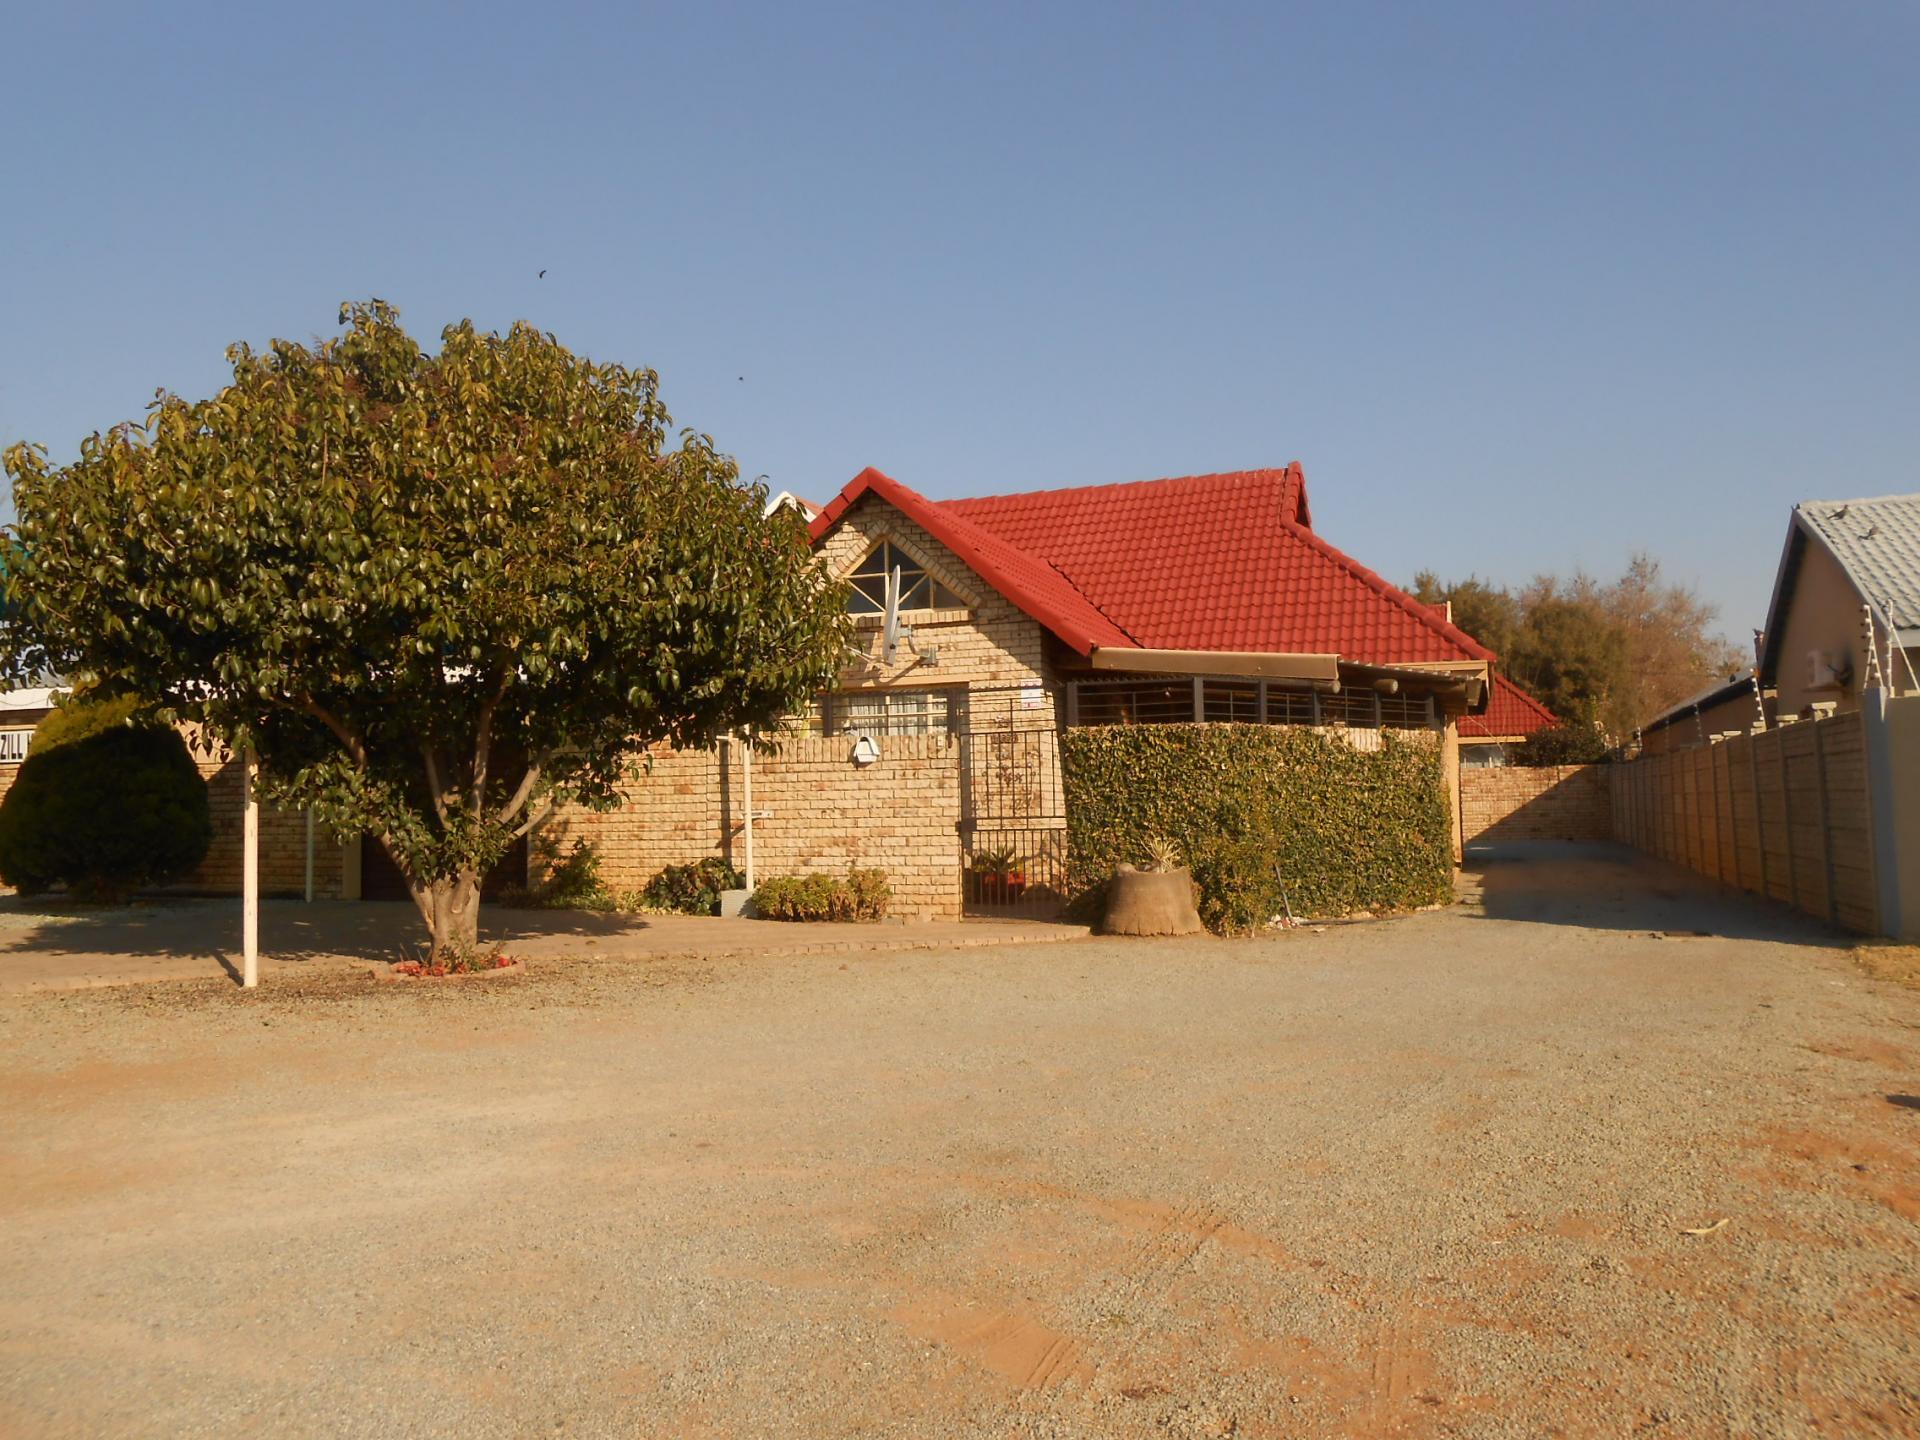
(1889, 960)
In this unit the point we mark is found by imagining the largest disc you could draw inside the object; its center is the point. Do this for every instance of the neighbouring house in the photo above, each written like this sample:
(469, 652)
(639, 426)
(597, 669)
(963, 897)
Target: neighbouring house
(1845, 614)
(1729, 707)
(786, 499)
(1510, 717)
(1800, 781)
(21, 711)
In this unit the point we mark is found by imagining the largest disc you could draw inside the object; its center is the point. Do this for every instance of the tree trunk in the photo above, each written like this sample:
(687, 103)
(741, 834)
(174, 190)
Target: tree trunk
(451, 909)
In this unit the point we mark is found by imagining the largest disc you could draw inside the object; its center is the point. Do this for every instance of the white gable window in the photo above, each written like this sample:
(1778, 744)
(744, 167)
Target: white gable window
(892, 712)
(918, 590)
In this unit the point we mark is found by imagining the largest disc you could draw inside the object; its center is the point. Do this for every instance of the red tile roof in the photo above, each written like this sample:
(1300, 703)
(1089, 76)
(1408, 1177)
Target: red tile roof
(1204, 562)
(1510, 711)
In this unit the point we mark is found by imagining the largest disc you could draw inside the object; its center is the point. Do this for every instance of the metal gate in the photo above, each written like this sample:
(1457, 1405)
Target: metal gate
(1013, 812)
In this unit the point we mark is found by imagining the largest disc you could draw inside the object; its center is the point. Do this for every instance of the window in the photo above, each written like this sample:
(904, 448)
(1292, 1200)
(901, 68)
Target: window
(918, 590)
(892, 712)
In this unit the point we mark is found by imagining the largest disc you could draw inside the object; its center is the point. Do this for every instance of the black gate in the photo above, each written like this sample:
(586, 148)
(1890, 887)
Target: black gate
(1013, 812)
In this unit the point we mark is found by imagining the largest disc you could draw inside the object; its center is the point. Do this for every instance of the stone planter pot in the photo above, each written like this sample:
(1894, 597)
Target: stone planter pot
(1151, 902)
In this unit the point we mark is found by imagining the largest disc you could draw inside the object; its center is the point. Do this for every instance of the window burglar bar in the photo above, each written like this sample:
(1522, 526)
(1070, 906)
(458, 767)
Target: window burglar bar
(889, 712)
(1222, 700)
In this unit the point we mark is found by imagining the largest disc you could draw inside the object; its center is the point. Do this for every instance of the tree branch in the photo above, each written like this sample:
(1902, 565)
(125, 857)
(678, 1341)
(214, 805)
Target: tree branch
(520, 794)
(534, 817)
(483, 738)
(356, 747)
(433, 784)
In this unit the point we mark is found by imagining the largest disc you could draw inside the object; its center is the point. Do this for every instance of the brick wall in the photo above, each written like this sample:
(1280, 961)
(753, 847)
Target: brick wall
(819, 813)
(1549, 802)
(283, 839)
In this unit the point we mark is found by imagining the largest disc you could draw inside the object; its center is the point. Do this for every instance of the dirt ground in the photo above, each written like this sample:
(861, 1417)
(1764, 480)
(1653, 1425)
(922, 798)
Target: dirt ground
(50, 945)
(1435, 1176)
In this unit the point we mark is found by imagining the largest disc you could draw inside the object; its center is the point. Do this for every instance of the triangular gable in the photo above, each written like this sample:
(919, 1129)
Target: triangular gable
(1032, 585)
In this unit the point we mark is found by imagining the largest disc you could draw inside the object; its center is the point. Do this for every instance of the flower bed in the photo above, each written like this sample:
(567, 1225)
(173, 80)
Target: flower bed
(477, 967)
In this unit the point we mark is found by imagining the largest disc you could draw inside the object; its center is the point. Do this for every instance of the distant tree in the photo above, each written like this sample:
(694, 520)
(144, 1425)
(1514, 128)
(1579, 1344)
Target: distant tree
(1672, 650)
(1487, 612)
(1568, 653)
(1606, 655)
(438, 593)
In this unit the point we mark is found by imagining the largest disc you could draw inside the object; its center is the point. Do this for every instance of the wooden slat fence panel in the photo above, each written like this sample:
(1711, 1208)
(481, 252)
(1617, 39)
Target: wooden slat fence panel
(1785, 814)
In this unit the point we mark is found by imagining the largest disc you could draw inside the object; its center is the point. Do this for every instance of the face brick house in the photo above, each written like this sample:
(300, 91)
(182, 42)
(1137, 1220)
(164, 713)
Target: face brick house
(1205, 598)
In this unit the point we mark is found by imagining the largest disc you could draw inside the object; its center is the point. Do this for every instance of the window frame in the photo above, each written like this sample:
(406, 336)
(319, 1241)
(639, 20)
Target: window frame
(892, 554)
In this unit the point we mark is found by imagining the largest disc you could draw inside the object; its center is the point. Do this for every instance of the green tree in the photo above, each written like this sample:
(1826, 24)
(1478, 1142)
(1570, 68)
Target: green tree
(438, 593)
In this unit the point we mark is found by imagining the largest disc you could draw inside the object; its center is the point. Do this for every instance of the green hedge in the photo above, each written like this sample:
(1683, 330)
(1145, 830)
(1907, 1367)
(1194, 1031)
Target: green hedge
(1349, 829)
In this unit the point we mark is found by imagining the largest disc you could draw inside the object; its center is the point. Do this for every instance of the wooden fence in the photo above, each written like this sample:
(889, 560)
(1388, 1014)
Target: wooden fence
(1785, 813)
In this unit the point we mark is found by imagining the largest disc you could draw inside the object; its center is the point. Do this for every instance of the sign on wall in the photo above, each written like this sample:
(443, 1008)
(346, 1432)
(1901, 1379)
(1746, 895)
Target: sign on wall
(13, 746)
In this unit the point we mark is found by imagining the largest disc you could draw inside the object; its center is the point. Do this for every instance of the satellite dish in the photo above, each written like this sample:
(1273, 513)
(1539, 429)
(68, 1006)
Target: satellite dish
(890, 634)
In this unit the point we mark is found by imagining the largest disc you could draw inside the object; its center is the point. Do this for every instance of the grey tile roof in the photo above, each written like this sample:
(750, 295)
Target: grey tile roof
(1877, 542)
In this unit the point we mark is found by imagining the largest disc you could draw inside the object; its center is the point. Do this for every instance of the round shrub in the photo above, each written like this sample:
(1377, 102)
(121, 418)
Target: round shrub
(1570, 743)
(75, 717)
(106, 814)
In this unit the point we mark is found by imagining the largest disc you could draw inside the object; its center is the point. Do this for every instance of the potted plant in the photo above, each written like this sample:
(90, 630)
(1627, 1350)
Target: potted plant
(996, 877)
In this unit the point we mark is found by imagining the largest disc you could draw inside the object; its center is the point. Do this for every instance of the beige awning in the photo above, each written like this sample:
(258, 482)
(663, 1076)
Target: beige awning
(1321, 670)
(1467, 679)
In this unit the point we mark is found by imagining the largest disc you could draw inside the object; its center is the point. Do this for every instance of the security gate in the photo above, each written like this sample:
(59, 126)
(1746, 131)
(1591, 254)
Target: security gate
(1013, 812)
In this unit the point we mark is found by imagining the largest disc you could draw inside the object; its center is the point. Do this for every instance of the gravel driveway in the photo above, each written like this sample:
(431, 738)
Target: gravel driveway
(1422, 1177)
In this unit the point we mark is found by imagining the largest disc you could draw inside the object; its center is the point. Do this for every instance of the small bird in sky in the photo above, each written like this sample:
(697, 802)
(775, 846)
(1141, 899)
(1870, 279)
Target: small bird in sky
(743, 377)
(542, 275)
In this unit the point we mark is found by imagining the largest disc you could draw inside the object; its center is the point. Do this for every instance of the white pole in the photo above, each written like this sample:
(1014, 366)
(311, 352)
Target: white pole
(249, 875)
(746, 777)
(309, 857)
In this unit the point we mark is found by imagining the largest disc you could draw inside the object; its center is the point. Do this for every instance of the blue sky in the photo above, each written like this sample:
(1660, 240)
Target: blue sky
(1524, 286)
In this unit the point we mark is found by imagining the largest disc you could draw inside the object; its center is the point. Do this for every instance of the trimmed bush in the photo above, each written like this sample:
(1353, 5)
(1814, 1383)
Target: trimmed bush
(863, 895)
(1570, 743)
(692, 889)
(75, 717)
(1347, 829)
(106, 814)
